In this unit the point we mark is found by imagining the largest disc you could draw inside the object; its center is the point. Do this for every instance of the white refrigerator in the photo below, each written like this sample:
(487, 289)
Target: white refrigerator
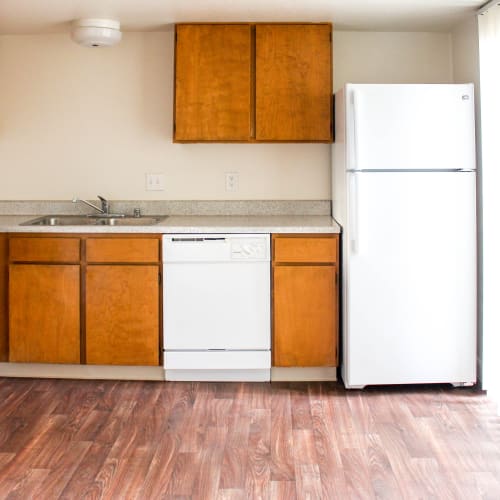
(404, 192)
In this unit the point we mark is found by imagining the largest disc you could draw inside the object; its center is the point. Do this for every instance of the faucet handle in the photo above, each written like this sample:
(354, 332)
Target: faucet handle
(104, 204)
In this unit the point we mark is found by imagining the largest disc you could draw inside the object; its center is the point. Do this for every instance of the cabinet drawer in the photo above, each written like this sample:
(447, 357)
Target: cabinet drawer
(305, 249)
(44, 249)
(123, 250)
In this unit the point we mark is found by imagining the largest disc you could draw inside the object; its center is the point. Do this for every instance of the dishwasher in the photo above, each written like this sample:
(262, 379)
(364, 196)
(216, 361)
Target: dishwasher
(216, 307)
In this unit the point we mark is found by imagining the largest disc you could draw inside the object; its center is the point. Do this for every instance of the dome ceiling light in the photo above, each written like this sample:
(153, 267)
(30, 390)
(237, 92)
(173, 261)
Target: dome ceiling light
(96, 32)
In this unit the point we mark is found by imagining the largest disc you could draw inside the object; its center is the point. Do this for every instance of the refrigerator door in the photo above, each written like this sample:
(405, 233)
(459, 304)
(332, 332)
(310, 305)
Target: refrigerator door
(411, 127)
(410, 279)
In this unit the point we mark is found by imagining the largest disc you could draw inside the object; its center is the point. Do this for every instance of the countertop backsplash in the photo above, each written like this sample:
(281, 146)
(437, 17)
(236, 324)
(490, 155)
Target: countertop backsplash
(184, 207)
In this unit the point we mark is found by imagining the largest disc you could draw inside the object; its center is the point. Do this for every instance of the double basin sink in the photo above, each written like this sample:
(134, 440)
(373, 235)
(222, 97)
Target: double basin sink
(94, 220)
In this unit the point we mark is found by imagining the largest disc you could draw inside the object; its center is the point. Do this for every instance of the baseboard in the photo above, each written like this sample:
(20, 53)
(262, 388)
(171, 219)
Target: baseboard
(98, 372)
(309, 374)
(107, 372)
(214, 375)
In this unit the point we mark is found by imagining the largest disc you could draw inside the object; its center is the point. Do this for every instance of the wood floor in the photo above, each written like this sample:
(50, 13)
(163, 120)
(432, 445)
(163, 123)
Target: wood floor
(147, 440)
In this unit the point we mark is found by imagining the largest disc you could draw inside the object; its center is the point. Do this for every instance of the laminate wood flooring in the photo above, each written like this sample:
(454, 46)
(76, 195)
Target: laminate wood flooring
(149, 440)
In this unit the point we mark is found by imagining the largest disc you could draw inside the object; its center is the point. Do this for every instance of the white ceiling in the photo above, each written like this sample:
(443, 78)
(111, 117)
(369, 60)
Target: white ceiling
(38, 16)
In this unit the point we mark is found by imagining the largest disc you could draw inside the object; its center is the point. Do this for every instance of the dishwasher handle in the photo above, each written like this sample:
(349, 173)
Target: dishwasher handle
(196, 240)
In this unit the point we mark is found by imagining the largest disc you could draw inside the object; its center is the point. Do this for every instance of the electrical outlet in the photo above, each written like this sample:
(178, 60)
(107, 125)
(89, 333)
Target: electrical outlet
(232, 181)
(155, 182)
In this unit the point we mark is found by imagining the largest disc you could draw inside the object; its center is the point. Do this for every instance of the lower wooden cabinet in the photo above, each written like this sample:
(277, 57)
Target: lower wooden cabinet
(305, 301)
(4, 307)
(304, 316)
(96, 300)
(113, 285)
(44, 313)
(122, 315)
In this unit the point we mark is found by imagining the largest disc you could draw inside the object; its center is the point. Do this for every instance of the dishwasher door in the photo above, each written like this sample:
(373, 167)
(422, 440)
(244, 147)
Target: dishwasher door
(216, 306)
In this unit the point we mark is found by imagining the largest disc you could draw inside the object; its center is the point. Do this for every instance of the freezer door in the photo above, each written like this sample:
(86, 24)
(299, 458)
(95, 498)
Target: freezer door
(410, 279)
(407, 126)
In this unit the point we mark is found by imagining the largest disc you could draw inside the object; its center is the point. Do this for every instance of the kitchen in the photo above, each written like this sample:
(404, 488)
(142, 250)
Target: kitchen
(98, 121)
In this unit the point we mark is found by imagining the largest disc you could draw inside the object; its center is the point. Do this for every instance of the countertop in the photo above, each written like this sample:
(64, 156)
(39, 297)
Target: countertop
(191, 224)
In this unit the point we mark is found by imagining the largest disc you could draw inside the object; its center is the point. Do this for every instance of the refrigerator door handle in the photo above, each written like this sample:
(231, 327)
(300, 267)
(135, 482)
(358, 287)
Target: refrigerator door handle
(353, 210)
(353, 143)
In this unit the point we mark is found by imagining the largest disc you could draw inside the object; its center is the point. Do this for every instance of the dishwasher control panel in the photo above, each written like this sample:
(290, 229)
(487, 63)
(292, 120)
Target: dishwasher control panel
(216, 247)
(249, 248)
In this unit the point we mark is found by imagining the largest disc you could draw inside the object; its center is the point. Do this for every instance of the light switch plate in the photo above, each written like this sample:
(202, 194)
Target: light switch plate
(155, 182)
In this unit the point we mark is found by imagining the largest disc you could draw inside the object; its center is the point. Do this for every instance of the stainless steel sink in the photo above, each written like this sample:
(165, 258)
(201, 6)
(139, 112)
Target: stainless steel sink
(129, 221)
(94, 220)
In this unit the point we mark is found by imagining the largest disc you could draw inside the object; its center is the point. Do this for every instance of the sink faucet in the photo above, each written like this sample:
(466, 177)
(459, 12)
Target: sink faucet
(104, 205)
(104, 209)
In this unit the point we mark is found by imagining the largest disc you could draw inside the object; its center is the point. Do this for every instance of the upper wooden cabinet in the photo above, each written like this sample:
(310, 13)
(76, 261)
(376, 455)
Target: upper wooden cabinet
(293, 82)
(212, 82)
(253, 83)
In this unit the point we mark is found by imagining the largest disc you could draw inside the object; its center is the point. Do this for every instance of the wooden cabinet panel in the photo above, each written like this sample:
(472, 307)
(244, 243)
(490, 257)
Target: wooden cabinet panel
(122, 315)
(123, 250)
(304, 316)
(4, 340)
(253, 82)
(44, 313)
(305, 249)
(44, 249)
(213, 82)
(293, 82)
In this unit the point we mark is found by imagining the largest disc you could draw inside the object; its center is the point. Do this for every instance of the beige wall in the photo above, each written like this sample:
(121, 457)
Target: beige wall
(465, 44)
(77, 121)
(362, 57)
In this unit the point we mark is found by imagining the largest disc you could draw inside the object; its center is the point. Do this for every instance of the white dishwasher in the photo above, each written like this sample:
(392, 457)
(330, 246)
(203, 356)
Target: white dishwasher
(216, 307)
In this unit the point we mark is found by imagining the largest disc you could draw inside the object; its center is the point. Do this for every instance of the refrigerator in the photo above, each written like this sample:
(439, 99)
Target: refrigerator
(404, 192)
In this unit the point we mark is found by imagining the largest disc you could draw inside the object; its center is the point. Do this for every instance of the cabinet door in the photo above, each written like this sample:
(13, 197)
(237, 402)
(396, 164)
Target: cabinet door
(212, 82)
(122, 314)
(293, 82)
(304, 315)
(44, 313)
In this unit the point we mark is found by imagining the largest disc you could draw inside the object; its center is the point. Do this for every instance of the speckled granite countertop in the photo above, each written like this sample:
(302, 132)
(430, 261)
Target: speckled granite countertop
(191, 224)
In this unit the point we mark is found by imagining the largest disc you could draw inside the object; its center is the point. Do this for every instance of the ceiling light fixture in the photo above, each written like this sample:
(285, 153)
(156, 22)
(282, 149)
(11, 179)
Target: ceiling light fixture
(96, 32)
